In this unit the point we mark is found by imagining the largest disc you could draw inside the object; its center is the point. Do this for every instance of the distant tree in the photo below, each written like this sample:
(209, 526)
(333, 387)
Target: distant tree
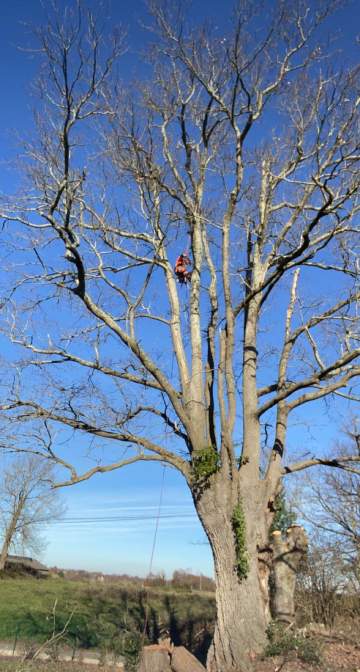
(158, 579)
(182, 578)
(240, 151)
(331, 506)
(27, 503)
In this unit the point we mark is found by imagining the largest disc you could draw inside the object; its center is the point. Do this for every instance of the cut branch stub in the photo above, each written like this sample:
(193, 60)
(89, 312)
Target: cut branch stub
(288, 553)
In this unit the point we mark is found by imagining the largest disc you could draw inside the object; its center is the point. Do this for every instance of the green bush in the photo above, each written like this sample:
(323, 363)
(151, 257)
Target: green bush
(309, 651)
(283, 641)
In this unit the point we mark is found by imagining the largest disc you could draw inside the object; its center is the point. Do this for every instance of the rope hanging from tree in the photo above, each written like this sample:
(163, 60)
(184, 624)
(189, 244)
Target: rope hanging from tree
(152, 554)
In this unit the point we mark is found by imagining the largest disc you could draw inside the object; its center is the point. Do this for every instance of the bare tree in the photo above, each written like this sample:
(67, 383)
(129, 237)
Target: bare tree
(332, 508)
(242, 151)
(27, 503)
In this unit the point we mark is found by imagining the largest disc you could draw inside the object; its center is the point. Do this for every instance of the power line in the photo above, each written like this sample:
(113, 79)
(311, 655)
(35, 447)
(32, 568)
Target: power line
(121, 518)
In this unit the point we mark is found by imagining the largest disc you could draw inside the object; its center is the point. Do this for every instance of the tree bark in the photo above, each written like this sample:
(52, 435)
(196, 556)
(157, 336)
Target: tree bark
(241, 601)
(241, 620)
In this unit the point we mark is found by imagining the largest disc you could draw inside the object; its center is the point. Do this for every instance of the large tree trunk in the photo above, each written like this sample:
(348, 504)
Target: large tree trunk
(240, 631)
(242, 602)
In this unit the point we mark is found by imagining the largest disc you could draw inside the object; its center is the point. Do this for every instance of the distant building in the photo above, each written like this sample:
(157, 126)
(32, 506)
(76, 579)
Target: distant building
(25, 564)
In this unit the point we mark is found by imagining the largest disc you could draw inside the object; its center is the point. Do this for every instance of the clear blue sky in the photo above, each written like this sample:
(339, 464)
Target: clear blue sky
(117, 511)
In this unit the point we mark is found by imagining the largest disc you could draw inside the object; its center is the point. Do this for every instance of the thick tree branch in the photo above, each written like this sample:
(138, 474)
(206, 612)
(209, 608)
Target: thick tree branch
(38, 411)
(103, 469)
(337, 368)
(341, 462)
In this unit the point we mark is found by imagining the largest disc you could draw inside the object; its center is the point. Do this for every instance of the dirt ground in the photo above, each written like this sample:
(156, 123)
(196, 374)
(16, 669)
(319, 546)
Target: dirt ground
(7, 665)
(336, 656)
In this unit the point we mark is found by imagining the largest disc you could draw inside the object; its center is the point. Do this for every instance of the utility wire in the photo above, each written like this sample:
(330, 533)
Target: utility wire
(121, 518)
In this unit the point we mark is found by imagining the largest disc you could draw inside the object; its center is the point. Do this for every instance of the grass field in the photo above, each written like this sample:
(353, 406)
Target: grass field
(111, 616)
(106, 616)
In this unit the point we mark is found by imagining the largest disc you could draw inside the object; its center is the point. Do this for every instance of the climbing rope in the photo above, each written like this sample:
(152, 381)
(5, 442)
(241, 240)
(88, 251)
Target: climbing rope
(157, 519)
(187, 249)
(152, 555)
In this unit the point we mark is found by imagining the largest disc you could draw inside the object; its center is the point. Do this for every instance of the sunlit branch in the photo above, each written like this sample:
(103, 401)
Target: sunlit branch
(337, 368)
(102, 469)
(37, 411)
(343, 463)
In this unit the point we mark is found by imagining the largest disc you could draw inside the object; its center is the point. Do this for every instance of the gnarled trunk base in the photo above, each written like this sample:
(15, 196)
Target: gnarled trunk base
(241, 599)
(240, 631)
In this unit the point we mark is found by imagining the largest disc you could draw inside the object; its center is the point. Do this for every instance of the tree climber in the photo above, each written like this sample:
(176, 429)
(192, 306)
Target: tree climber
(181, 272)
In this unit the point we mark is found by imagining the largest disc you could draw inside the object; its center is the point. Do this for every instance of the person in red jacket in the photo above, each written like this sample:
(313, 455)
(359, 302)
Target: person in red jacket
(181, 272)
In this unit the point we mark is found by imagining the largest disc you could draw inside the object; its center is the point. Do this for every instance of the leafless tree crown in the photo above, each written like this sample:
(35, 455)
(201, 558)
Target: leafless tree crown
(241, 149)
